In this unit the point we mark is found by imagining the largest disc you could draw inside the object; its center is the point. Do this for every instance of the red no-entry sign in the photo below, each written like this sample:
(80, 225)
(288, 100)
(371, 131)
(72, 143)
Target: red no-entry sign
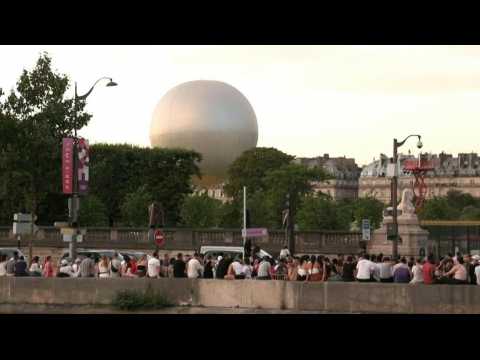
(159, 238)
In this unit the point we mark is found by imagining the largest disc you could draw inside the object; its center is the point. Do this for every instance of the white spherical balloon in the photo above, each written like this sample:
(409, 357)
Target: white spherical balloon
(210, 117)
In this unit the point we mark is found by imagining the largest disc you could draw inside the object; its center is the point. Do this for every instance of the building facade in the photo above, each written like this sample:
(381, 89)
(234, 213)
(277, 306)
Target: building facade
(344, 172)
(461, 173)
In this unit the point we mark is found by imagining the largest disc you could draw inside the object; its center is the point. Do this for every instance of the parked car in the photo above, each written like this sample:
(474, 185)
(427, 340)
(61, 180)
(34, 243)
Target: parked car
(233, 251)
(9, 252)
(97, 254)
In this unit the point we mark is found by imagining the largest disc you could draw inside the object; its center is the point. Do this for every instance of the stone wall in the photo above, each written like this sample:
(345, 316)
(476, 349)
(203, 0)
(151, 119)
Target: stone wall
(330, 296)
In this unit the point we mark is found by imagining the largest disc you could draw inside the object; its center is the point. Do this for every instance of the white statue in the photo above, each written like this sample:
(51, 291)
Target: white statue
(406, 205)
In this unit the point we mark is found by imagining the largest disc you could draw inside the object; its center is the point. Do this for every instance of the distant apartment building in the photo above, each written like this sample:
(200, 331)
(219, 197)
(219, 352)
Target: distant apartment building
(344, 172)
(461, 173)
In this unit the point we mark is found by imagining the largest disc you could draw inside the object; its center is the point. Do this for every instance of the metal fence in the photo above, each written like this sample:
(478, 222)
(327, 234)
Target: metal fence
(452, 236)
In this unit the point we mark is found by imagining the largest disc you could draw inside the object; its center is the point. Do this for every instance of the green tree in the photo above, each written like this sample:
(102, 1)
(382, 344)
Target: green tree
(438, 208)
(368, 208)
(93, 212)
(458, 200)
(231, 215)
(322, 213)
(250, 168)
(166, 174)
(471, 213)
(34, 117)
(135, 208)
(201, 211)
(294, 181)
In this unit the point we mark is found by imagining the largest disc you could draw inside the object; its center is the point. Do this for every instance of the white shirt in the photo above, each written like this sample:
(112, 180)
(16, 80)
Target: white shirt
(264, 269)
(35, 267)
(284, 253)
(194, 268)
(417, 271)
(67, 269)
(247, 270)
(477, 273)
(237, 267)
(3, 269)
(153, 267)
(364, 269)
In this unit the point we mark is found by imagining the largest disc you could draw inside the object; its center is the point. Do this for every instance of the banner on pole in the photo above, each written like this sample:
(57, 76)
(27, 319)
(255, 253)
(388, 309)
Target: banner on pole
(83, 164)
(67, 165)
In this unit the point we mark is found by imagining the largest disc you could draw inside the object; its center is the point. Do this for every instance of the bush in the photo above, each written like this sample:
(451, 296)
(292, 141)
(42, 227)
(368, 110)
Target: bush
(136, 300)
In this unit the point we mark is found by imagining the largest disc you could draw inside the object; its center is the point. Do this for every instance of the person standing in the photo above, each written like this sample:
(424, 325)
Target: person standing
(208, 271)
(476, 258)
(194, 268)
(417, 271)
(284, 253)
(104, 268)
(35, 269)
(87, 267)
(165, 264)
(154, 266)
(179, 267)
(48, 267)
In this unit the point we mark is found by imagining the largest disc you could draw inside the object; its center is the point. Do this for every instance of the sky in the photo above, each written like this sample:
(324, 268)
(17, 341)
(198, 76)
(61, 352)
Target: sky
(309, 100)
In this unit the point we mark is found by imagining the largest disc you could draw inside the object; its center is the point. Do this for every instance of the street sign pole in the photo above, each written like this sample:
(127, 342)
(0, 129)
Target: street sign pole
(244, 215)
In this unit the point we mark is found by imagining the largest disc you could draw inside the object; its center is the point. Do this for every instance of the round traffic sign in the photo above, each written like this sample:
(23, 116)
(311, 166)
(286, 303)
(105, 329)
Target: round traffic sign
(159, 238)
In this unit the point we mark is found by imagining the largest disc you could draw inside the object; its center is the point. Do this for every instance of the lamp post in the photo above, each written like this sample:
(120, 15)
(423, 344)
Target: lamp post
(75, 200)
(396, 145)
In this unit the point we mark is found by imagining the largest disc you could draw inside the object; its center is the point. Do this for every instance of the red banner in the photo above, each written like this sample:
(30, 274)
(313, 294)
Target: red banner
(67, 165)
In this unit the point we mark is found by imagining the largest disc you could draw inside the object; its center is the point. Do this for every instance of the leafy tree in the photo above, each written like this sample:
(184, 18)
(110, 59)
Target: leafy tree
(438, 208)
(231, 215)
(471, 213)
(166, 174)
(292, 180)
(34, 117)
(201, 211)
(135, 208)
(250, 169)
(93, 212)
(321, 213)
(458, 200)
(368, 208)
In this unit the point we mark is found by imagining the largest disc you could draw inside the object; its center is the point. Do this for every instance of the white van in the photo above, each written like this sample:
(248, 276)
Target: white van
(233, 251)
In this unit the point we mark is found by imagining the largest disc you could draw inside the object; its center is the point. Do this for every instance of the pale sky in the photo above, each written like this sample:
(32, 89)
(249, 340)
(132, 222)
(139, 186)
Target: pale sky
(309, 100)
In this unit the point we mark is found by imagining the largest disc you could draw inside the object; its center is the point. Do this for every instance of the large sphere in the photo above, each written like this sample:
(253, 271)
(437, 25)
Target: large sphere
(210, 117)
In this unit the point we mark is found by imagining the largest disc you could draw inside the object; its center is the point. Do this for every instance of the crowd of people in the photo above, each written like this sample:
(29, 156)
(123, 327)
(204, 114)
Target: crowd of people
(450, 269)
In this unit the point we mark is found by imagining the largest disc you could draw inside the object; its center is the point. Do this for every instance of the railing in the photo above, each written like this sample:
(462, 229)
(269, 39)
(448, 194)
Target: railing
(192, 239)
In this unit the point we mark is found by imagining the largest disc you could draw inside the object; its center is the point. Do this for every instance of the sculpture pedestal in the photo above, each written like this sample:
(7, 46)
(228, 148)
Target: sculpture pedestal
(413, 238)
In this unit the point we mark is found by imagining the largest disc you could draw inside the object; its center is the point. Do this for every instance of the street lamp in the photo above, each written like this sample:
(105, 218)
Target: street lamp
(75, 200)
(396, 145)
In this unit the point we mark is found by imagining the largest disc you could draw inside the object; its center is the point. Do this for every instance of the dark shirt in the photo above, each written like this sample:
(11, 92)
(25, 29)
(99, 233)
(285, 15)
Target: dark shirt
(21, 268)
(471, 273)
(208, 271)
(223, 268)
(348, 272)
(179, 269)
(401, 275)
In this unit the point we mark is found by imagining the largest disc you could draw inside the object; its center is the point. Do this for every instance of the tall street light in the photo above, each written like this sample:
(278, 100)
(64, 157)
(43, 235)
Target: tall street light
(75, 200)
(396, 145)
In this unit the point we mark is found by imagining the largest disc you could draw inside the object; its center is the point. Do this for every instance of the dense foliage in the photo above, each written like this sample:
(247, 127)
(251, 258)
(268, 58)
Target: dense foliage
(455, 206)
(34, 118)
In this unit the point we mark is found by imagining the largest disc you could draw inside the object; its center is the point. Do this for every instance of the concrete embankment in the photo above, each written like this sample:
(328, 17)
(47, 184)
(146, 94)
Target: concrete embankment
(251, 294)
